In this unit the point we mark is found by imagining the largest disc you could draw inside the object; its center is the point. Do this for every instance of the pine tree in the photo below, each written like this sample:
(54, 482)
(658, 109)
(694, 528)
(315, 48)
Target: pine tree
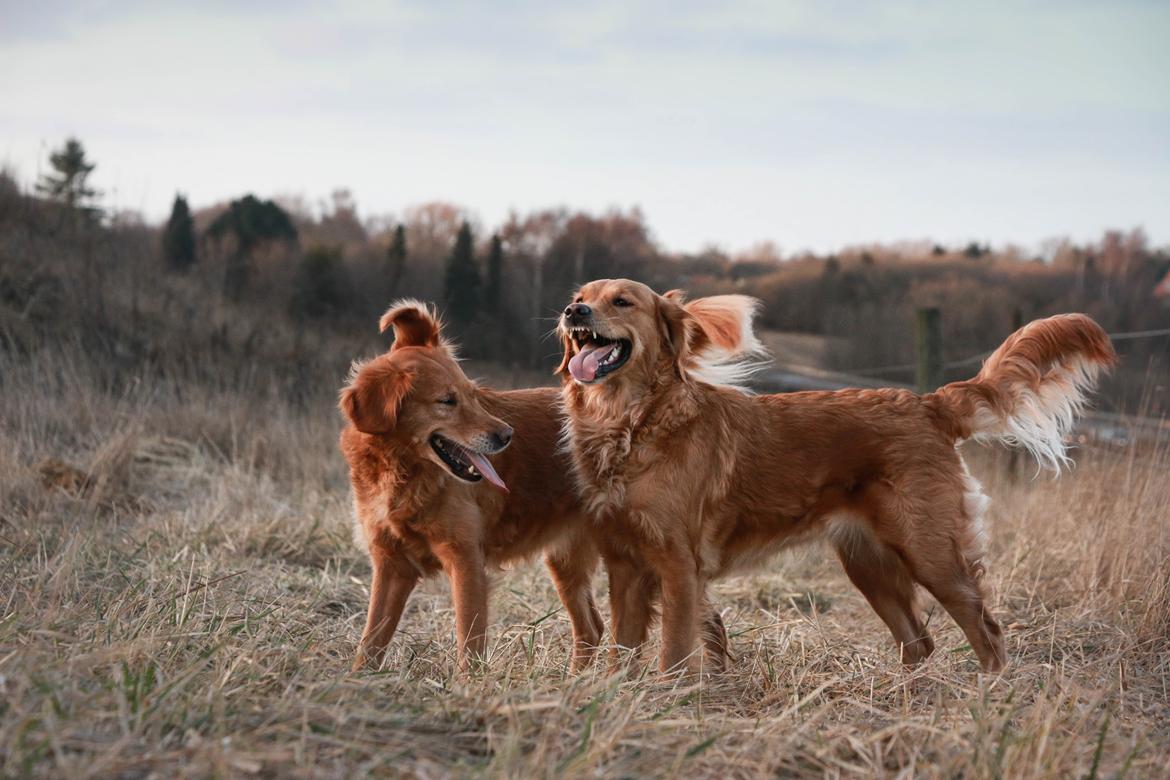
(321, 286)
(178, 238)
(395, 260)
(495, 272)
(462, 291)
(68, 185)
(253, 222)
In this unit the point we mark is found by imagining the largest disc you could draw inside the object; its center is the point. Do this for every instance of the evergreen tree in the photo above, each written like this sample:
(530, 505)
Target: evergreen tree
(974, 251)
(462, 289)
(252, 222)
(67, 185)
(321, 286)
(495, 272)
(395, 260)
(178, 238)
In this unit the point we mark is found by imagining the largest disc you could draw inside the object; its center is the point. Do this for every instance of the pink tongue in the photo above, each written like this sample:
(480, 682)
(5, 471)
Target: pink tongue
(485, 467)
(583, 365)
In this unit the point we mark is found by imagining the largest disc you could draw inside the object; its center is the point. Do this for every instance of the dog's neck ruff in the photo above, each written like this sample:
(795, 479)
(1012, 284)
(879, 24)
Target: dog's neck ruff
(609, 406)
(405, 492)
(604, 431)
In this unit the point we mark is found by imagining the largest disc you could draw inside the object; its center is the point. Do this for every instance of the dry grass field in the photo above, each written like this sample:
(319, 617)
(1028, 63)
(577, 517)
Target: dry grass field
(180, 597)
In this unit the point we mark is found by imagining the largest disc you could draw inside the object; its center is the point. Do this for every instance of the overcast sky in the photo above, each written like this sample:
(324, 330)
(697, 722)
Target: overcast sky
(812, 124)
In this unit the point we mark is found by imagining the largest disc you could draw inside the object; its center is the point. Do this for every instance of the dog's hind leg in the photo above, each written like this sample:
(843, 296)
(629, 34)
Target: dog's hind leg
(571, 567)
(938, 551)
(884, 580)
(716, 646)
(394, 579)
(959, 593)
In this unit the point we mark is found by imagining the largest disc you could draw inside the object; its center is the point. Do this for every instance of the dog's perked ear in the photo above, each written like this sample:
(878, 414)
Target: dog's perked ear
(372, 399)
(674, 322)
(722, 324)
(414, 323)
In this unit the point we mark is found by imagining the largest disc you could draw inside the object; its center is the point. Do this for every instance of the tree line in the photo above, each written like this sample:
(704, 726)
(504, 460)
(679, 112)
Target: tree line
(323, 267)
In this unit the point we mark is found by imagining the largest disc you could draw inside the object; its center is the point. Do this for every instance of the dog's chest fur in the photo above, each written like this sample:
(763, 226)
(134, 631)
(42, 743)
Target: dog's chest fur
(601, 451)
(388, 495)
(614, 445)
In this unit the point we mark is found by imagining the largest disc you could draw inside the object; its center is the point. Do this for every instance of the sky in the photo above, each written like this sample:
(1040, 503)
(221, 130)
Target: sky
(815, 125)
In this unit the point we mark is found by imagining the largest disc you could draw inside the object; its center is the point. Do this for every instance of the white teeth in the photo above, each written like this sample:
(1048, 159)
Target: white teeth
(594, 334)
(613, 355)
(471, 469)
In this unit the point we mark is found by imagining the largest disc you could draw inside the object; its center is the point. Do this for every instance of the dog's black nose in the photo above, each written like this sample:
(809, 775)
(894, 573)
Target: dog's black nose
(504, 436)
(578, 310)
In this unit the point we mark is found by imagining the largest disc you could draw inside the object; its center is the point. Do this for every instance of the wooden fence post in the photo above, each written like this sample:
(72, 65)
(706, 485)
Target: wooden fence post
(928, 348)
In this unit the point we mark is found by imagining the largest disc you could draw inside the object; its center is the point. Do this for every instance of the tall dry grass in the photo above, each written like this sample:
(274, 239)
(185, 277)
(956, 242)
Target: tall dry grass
(185, 604)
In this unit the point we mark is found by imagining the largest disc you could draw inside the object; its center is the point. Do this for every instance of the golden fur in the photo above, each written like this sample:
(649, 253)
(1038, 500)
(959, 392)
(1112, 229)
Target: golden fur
(416, 517)
(693, 481)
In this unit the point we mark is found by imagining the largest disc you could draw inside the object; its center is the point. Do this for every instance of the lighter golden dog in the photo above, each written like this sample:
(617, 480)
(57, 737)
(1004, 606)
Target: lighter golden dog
(418, 447)
(694, 481)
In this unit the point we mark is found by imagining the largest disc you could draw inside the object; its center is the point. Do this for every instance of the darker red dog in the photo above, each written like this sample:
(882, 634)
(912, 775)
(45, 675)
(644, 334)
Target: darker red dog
(422, 440)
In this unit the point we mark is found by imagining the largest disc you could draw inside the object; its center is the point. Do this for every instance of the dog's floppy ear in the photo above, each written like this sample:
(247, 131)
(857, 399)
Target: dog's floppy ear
(673, 323)
(414, 323)
(567, 343)
(372, 399)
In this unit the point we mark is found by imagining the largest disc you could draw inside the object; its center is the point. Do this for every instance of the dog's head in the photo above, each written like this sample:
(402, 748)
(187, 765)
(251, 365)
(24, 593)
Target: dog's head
(622, 333)
(417, 395)
(616, 327)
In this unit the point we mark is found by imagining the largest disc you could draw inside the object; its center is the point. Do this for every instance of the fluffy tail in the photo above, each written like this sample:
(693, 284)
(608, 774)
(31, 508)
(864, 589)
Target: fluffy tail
(722, 346)
(1030, 390)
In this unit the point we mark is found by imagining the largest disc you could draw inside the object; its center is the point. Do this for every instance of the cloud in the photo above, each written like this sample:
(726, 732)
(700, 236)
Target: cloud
(730, 123)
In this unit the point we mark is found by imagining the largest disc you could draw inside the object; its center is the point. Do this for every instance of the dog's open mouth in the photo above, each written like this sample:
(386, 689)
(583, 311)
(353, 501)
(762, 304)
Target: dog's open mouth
(464, 463)
(596, 355)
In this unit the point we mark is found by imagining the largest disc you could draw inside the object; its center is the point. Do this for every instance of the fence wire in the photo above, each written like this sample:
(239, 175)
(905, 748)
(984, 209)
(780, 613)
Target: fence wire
(979, 358)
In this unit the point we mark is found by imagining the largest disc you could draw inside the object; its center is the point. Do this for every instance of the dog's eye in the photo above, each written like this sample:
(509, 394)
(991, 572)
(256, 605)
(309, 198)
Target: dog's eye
(447, 400)
(619, 301)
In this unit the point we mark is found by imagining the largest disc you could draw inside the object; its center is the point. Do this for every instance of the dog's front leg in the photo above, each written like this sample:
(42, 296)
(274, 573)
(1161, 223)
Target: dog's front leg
(394, 579)
(571, 568)
(464, 565)
(632, 590)
(681, 599)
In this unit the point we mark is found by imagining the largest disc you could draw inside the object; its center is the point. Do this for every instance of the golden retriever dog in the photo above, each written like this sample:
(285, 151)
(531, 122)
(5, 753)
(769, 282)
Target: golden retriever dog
(421, 443)
(694, 481)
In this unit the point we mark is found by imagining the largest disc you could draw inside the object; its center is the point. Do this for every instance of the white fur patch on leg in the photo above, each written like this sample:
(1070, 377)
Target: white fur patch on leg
(848, 531)
(975, 506)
